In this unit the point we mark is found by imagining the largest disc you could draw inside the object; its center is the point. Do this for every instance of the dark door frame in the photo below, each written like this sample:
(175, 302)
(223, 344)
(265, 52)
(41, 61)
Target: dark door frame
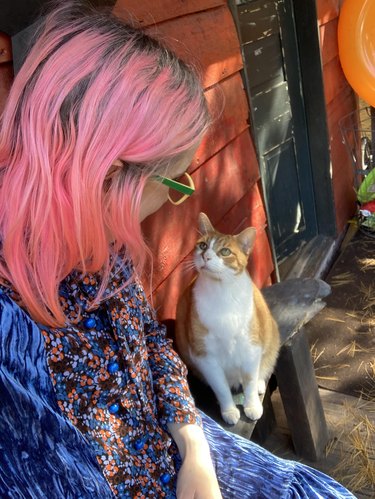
(307, 31)
(307, 34)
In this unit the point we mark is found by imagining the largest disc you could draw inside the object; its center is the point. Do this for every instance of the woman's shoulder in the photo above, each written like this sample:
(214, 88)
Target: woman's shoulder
(12, 316)
(82, 292)
(9, 298)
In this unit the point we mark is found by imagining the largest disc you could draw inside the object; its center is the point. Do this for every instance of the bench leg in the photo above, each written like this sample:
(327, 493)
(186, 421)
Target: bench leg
(267, 422)
(300, 396)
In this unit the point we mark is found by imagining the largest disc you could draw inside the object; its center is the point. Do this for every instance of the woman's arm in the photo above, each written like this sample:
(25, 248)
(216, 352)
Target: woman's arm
(197, 477)
(174, 401)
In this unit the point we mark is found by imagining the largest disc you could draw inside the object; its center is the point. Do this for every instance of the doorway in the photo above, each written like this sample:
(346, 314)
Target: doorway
(275, 49)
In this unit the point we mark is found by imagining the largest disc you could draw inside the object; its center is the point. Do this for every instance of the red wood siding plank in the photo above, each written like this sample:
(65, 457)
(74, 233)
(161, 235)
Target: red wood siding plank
(342, 166)
(328, 41)
(195, 39)
(6, 79)
(327, 10)
(248, 212)
(220, 183)
(167, 295)
(334, 80)
(229, 111)
(261, 263)
(6, 68)
(343, 104)
(258, 217)
(344, 193)
(5, 48)
(149, 12)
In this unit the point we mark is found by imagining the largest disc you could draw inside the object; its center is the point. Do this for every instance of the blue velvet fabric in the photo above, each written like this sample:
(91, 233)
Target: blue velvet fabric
(42, 455)
(245, 470)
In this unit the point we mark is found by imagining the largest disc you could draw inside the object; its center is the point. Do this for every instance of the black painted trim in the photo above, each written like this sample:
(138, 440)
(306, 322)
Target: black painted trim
(316, 114)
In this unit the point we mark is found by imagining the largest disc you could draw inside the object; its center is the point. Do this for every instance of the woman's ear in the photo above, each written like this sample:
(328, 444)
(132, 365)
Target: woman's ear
(204, 224)
(116, 168)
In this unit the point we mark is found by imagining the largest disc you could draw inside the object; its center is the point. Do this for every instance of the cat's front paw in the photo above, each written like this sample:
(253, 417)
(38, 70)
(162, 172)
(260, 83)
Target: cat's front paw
(231, 416)
(254, 410)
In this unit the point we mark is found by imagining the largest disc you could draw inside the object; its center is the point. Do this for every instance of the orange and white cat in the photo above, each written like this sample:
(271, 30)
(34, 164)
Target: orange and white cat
(225, 332)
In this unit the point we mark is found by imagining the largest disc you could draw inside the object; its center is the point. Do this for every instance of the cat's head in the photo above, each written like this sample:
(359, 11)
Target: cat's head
(221, 255)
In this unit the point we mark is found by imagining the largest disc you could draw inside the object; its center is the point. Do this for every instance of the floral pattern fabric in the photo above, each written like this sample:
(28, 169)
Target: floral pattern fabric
(119, 382)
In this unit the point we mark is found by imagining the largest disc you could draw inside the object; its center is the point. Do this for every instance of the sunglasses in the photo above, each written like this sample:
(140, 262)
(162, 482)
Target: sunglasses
(186, 190)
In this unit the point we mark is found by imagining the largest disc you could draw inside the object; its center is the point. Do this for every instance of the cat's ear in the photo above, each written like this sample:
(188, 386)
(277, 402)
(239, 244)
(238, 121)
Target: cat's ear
(204, 224)
(246, 240)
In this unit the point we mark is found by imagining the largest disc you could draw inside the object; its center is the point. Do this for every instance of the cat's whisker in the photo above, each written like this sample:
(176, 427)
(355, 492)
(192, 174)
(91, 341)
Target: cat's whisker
(187, 266)
(188, 259)
(187, 269)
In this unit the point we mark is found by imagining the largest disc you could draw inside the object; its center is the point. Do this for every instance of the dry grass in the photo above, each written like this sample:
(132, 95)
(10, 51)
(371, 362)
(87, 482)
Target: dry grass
(367, 294)
(354, 347)
(368, 390)
(315, 353)
(366, 264)
(342, 279)
(334, 319)
(355, 441)
(365, 317)
(367, 299)
(368, 320)
(353, 314)
(327, 378)
(353, 425)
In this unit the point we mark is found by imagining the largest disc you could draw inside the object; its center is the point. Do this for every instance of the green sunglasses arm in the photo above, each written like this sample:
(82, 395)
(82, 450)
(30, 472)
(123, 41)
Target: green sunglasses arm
(173, 184)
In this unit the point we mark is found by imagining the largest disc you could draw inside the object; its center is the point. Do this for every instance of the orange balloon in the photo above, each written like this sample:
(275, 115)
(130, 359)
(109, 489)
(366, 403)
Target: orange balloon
(356, 39)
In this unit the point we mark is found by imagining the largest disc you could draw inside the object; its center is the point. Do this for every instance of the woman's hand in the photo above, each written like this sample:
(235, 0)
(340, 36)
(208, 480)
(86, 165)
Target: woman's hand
(197, 478)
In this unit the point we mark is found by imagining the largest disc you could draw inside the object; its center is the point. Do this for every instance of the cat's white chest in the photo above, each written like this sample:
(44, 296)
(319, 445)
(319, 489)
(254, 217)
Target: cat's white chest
(225, 309)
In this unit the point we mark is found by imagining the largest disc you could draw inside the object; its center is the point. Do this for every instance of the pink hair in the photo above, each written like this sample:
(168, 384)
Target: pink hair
(91, 90)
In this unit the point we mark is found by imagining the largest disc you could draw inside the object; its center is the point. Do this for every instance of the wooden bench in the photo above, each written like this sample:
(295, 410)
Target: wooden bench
(293, 303)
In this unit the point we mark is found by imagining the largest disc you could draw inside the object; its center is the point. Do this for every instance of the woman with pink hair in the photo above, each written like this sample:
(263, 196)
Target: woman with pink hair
(94, 401)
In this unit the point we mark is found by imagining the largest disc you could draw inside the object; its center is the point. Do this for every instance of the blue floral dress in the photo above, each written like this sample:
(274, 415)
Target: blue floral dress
(117, 380)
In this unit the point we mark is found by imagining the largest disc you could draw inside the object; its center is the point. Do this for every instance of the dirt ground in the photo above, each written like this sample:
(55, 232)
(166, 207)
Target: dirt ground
(342, 342)
(342, 335)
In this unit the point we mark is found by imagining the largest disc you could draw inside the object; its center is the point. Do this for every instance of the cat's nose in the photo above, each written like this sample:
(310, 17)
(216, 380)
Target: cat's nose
(207, 257)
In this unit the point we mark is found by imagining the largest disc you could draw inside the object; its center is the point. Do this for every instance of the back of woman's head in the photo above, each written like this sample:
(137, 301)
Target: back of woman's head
(92, 90)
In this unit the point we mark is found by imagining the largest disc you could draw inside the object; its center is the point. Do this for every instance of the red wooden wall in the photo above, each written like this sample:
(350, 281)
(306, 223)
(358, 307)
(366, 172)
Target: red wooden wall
(225, 169)
(6, 68)
(340, 101)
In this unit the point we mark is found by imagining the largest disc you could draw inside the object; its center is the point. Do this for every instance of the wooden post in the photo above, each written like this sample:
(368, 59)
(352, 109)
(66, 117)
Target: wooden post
(300, 395)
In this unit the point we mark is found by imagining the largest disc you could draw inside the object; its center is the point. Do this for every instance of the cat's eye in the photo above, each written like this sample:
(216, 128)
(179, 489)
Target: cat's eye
(202, 246)
(225, 252)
